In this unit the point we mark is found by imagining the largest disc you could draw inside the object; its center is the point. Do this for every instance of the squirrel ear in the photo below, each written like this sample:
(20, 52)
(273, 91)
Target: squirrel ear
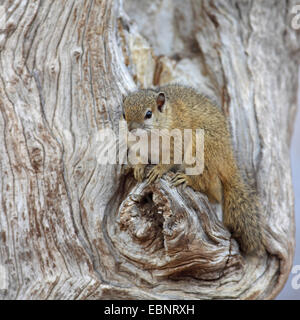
(160, 101)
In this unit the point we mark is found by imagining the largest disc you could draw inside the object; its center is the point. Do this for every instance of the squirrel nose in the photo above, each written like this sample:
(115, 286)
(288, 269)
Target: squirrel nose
(132, 126)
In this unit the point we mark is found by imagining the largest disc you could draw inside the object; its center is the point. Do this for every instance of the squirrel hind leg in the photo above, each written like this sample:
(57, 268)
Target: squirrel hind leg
(211, 185)
(205, 183)
(215, 190)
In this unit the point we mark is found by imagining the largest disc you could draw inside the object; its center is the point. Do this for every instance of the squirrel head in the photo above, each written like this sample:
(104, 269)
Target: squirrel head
(145, 109)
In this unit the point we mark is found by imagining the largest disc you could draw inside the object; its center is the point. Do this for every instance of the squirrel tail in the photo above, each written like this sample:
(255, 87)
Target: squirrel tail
(242, 211)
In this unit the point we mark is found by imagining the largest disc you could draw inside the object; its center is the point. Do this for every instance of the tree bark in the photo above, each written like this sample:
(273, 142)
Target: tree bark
(73, 228)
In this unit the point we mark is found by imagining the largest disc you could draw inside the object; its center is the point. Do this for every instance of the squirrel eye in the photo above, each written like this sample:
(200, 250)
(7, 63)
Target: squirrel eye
(148, 114)
(124, 116)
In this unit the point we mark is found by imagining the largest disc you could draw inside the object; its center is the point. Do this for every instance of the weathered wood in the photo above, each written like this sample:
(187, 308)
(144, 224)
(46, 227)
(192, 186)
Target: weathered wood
(73, 228)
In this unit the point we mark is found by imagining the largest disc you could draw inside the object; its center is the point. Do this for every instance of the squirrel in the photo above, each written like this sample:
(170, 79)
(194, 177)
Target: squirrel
(178, 106)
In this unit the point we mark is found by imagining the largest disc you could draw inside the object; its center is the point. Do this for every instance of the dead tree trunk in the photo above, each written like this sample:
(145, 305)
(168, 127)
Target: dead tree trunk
(71, 228)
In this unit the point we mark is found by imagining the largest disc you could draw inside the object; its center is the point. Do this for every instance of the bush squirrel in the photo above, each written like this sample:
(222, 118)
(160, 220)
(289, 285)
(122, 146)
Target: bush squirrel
(177, 106)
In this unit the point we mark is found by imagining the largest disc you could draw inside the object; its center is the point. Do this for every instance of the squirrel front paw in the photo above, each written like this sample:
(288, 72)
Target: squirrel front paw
(156, 173)
(139, 172)
(181, 178)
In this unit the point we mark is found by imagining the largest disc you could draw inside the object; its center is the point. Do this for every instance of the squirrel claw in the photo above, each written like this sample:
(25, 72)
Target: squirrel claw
(180, 178)
(138, 172)
(155, 174)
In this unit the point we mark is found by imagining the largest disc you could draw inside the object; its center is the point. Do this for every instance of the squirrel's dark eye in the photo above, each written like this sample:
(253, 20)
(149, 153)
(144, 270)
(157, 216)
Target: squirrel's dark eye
(124, 116)
(148, 114)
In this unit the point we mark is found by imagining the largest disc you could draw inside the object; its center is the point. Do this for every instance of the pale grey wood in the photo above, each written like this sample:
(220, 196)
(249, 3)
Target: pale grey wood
(72, 228)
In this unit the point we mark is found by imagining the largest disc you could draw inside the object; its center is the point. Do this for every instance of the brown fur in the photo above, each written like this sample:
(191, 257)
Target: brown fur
(221, 180)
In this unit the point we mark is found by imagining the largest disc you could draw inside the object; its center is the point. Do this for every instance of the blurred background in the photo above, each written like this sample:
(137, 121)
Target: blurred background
(288, 292)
